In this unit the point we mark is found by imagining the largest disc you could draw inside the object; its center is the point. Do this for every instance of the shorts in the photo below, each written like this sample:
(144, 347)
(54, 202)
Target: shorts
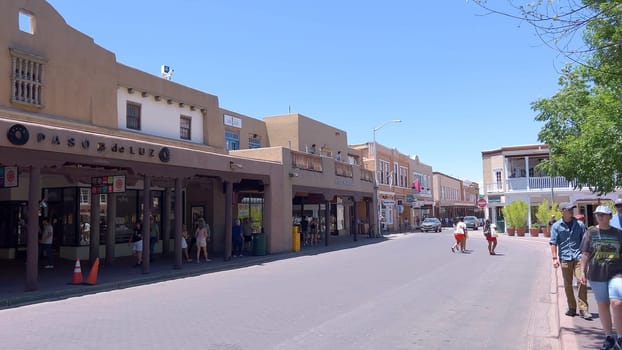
(459, 236)
(491, 239)
(248, 238)
(600, 290)
(615, 288)
(138, 246)
(184, 244)
(202, 242)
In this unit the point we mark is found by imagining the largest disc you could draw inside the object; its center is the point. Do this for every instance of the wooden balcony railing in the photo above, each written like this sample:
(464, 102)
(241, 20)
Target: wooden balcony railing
(367, 175)
(343, 169)
(307, 161)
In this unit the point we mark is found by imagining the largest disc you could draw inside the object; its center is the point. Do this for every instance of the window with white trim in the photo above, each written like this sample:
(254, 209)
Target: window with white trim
(396, 173)
(385, 175)
(403, 176)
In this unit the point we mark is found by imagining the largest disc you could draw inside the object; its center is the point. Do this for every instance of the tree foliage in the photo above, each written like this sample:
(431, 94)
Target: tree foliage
(583, 120)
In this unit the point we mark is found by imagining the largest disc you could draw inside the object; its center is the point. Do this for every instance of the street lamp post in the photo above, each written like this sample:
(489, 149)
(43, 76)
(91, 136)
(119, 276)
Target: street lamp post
(376, 169)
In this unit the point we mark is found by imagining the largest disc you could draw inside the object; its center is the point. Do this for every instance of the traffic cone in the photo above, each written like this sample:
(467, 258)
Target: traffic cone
(77, 273)
(92, 278)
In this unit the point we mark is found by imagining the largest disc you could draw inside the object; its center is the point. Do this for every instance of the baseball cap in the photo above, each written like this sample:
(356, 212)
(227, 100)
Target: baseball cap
(618, 202)
(566, 206)
(602, 209)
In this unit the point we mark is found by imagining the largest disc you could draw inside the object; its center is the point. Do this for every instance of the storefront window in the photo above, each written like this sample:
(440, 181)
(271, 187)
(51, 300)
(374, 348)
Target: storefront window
(250, 206)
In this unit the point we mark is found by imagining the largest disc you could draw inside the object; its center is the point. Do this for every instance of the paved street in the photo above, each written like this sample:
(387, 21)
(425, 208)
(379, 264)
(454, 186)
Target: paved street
(405, 293)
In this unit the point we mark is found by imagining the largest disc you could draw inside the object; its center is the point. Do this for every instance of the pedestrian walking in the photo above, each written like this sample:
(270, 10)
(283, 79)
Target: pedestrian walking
(238, 238)
(490, 232)
(566, 236)
(459, 235)
(154, 236)
(136, 241)
(202, 234)
(184, 244)
(47, 238)
(602, 267)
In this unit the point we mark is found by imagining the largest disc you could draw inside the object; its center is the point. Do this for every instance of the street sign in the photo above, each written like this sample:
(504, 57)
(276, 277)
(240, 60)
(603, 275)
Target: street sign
(482, 203)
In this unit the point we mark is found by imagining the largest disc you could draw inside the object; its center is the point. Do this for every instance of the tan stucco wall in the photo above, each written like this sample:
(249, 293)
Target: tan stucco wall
(79, 76)
(302, 132)
(250, 127)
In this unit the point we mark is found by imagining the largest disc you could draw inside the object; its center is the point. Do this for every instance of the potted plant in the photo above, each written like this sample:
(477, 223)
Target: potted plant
(509, 222)
(543, 214)
(534, 230)
(515, 215)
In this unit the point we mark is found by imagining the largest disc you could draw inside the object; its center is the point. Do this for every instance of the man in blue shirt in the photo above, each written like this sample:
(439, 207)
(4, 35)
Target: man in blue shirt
(566, 236)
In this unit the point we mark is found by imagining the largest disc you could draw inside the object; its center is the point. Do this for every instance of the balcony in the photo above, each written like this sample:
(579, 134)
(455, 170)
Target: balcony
(312, 170)
(343, 169)
(531, 184)
(307, 161)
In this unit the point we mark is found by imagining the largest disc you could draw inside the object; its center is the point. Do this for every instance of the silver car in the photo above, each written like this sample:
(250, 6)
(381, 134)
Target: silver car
(431, 224)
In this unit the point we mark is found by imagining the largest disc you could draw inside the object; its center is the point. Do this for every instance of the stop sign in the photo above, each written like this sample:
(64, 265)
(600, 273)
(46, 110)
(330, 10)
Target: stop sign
(482, 203)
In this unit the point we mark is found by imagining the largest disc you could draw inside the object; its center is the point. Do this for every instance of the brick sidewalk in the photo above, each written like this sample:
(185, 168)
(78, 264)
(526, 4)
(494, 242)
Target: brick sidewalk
(575, 332)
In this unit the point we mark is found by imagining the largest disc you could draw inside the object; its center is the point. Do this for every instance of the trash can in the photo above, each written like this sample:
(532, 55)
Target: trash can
(259, 244)
(500, 224)
(296, 239)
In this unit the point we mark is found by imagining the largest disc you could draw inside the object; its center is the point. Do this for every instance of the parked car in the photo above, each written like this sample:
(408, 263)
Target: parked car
(472, 222)
(431, 224)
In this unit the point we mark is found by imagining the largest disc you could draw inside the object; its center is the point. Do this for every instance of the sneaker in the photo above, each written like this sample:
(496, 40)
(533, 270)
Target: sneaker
(610, 343)
(453, 250)
(586, 315)
(571, 312)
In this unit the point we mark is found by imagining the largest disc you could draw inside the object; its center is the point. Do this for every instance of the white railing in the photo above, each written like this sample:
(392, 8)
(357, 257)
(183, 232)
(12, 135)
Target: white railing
(538, 183)
(494, 188)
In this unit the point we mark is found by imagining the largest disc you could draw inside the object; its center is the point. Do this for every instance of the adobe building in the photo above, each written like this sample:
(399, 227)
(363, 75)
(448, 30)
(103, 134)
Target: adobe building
(96, 146)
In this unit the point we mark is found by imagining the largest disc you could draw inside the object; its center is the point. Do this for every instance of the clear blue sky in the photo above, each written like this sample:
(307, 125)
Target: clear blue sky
(460, 82)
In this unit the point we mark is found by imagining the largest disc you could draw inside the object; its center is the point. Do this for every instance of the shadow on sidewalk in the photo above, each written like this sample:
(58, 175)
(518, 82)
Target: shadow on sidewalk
(54, 284)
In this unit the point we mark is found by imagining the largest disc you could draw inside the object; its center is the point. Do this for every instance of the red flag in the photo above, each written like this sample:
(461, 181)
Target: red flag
(417, 186)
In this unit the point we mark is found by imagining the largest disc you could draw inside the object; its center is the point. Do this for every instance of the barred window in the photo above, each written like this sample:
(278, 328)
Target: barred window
(185, 124)
(132, 116)
(27, 78)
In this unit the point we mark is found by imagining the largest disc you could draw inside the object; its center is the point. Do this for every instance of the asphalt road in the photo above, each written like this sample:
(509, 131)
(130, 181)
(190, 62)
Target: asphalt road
(406, 293)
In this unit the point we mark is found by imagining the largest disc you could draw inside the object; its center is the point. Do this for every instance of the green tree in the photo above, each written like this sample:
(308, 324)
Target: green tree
(582, 121)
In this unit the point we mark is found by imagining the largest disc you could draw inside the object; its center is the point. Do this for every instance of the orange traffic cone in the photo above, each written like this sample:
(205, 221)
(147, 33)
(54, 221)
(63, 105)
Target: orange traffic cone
(77, 273)
(92, 278)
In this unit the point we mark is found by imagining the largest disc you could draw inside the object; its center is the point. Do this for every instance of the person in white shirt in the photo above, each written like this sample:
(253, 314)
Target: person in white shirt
(460, 232)
(616, 219)
(47, 237)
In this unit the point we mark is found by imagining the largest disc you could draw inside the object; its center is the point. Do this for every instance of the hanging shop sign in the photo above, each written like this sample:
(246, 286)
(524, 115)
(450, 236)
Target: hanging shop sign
(108, 184)
(9, 176)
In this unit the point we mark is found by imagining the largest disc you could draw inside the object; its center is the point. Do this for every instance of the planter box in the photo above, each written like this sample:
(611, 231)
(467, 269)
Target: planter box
(534, 232)
(511, 231)
(520, 232)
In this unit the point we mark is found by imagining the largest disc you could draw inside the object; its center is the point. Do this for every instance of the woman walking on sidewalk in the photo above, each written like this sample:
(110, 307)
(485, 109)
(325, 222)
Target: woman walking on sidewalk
(601, 262)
